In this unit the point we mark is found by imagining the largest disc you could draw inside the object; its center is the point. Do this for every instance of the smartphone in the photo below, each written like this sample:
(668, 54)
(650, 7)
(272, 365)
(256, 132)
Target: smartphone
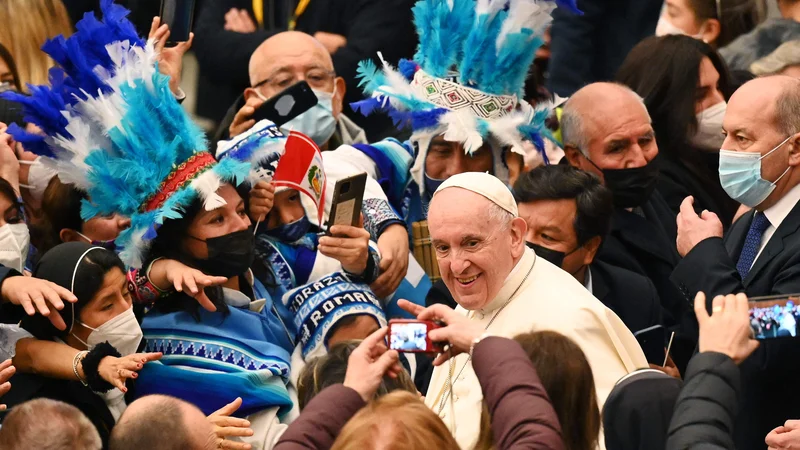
(288, 104)
(774, 316)
(652, 341)
(179, 16)
(348, 193)
(411, 336)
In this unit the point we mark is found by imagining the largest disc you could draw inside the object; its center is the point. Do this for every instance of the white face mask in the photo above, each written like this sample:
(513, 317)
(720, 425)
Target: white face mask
(665, 28)
(318, 123)
(39, 177)
(123, 332)
(709, 127)
(15, 240)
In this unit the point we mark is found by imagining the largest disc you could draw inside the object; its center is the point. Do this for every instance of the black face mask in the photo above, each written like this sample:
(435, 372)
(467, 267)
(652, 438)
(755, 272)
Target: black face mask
(554, 257)
(229, 255)
(631, 187)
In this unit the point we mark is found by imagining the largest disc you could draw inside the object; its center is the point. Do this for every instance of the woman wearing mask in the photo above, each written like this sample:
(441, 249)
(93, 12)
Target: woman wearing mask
(141, 157)
(101, 328)
(715, 22)
(14, 236)
(685, 86)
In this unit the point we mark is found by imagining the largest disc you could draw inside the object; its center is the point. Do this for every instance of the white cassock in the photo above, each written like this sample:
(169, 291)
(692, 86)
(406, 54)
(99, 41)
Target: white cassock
(549, 299)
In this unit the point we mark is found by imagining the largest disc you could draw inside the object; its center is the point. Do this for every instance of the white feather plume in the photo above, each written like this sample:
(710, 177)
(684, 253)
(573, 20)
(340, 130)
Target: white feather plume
(206, 186)
(462, 126)
(530, 14)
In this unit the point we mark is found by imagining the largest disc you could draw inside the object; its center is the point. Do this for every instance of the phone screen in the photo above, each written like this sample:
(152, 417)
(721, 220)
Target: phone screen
(775, 317)
(178, 15)
(409, 337)
(652, 342)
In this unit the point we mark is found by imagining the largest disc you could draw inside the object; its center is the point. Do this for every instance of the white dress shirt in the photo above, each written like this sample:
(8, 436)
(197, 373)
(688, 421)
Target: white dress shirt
(776, 214)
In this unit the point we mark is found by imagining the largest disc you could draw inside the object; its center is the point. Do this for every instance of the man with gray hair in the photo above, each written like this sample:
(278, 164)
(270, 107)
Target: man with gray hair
(760, 253)
(45, 424)
(607, 131)
(500, 283)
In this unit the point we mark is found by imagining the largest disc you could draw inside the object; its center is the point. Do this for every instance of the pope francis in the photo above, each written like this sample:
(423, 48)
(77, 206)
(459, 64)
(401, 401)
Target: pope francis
(500, 283)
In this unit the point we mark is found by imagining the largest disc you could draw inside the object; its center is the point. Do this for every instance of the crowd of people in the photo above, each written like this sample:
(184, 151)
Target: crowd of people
(602, 189)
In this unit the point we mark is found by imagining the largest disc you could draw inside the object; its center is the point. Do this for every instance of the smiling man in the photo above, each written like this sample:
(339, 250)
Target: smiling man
(501, 284)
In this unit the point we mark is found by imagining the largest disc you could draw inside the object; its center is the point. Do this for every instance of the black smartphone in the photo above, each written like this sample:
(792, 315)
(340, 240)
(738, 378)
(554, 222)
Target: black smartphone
(288, 104)
(411, 336)
(179, 16)
(774, 316)
(347, 197)
(652, 341)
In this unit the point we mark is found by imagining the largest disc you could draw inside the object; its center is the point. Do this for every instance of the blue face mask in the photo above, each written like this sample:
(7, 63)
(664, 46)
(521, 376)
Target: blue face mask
(318, 122)
(290, 232)
(432, 184)
(740, 176)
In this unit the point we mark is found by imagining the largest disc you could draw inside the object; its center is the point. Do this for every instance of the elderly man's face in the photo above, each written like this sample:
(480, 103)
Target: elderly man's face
(475, 254)
(750, 126)
(445, 159)
(551, 224)
(291, 57)
(620, 137)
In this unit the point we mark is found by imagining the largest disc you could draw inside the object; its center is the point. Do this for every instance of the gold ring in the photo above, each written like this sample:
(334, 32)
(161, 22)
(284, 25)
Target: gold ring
(716, 309)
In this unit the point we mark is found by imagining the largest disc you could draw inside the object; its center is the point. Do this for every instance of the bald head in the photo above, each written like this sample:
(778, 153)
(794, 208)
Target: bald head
(159, 421)
(593, 108)
(45, 424)
(285, 51)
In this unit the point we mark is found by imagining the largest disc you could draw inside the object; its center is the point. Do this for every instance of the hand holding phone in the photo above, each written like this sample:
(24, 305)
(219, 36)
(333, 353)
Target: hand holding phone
(652, 340)
(178, 15)
(369, 363)
(727, 330)
(286, 105)
(411, 336)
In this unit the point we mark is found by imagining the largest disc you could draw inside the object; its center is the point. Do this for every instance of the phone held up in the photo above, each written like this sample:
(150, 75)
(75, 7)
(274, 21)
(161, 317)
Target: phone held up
(411, 336)
(286, 105)
(179, 16)
(653, 340)
(348, 194)
(774, 316)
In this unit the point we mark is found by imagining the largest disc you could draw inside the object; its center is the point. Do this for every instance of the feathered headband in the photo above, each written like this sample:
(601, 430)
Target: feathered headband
(467, 77)
(114, 130)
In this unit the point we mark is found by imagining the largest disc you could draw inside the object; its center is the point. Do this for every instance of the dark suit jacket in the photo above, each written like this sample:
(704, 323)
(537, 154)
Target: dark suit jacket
(768, 400)
(369, 26)
(676, 181)
(630, 295)
(591, 47)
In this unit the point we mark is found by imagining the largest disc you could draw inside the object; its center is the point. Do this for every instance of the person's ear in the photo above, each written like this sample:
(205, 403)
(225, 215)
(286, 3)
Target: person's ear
(70, 235)
(573, 155)
(794, 150)
(340, 90)
(519, 229)
(710, 31)
(592, 246)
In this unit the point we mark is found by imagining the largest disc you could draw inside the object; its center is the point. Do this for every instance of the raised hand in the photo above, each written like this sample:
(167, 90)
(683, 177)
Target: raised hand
(226, 426)
(117, 370)
(34, 295)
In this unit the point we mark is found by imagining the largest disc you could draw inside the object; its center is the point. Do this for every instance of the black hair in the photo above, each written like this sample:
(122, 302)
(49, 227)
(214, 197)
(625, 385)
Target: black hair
(168, 244)
(61, 205)
(664, 71)
(593, 201)
(736, 17)
(88, 281)
(5, 55)
(8, 192)
(330, 369)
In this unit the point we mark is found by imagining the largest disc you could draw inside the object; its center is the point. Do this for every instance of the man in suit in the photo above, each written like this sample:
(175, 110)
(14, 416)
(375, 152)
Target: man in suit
(568, 212)
(760, 254)
(607, 131)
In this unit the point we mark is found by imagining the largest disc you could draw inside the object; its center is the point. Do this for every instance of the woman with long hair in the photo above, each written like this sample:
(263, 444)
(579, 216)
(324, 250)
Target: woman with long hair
(27, 25)
(685, 86)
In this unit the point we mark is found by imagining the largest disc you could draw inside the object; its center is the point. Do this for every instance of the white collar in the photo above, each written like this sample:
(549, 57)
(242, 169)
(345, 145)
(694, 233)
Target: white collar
(512, 282)
(588, 281)
(777, 213)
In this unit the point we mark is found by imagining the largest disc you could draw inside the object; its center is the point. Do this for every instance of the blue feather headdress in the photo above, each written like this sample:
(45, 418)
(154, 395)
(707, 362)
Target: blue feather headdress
(113, 129)
(467, 77)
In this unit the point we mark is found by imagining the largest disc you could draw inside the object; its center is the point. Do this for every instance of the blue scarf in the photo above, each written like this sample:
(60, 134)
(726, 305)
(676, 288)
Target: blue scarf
(211, 362)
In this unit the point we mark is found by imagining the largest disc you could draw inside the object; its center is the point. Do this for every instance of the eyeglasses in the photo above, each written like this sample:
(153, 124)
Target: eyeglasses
(316, 78)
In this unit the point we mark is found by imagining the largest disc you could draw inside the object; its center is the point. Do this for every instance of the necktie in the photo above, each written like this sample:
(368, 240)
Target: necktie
(752, 243)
